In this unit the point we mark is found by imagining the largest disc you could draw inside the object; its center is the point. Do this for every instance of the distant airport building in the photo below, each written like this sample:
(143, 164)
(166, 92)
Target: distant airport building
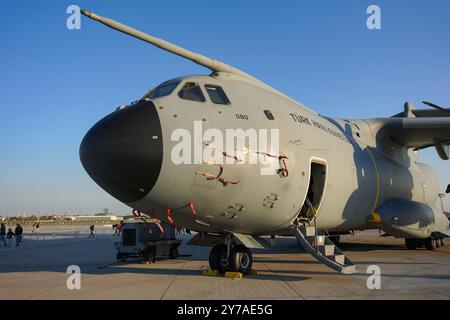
(99, 217)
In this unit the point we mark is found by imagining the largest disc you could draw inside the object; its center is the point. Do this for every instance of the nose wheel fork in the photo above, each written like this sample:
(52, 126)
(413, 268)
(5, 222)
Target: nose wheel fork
(231, 257)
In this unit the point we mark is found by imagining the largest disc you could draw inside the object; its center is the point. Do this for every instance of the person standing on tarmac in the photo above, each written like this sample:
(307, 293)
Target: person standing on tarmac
(18, 232)
(117, 228)
(3, 233)
(91, 229)
(9, 236)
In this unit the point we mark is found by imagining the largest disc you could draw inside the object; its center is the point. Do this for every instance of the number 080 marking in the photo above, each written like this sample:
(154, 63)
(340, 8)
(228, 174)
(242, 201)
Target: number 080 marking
(241, 116)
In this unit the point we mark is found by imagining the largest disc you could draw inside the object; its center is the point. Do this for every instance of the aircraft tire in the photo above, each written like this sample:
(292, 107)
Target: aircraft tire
(442, 242)
(121, 256)
(218, 260)
(429, 243)
(173, 253)
(241, 259)
(411, 244)
(149, 255)
(335, 239)
(437, 243)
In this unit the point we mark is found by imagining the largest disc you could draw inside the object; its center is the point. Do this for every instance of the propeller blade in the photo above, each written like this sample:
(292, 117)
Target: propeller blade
(435, 106)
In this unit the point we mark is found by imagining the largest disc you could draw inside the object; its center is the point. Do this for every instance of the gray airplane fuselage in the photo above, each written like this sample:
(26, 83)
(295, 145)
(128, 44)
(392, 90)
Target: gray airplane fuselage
(361, 172)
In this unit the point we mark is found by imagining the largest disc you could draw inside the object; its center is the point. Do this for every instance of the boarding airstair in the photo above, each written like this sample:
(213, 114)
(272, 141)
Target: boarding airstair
(320, 246)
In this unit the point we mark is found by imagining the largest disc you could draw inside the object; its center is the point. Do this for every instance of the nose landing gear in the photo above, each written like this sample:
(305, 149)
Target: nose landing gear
(218, 258)
(241, 259)
(233, 257)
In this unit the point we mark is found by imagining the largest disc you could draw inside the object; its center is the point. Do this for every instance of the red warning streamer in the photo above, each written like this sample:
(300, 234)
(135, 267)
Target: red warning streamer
(191, 205)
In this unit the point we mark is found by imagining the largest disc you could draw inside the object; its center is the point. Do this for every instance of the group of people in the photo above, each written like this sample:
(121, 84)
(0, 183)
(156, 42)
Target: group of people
(7, 237)
(35, 227)
(116, 227)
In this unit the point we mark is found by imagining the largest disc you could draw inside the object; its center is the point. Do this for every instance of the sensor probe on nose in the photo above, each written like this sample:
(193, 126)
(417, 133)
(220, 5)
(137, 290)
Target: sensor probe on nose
(212, 64)
(209, 63)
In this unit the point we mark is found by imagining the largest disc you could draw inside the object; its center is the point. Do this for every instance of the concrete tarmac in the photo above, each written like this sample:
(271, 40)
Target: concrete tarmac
(37, 270)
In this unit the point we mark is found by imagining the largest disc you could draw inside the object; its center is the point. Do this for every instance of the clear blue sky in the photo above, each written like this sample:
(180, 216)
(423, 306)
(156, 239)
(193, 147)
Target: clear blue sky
(55, 83)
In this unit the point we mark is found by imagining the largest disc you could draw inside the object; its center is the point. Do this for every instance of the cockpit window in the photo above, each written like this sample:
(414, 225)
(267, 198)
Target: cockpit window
(191, 91)
(217, 94)
(164, 89)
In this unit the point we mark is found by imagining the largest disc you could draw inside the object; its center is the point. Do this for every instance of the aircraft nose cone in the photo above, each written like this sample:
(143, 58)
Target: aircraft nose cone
(123, 152)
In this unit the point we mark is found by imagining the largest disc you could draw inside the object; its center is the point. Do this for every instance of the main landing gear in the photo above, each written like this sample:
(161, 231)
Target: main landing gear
(230, 257)
(429, 243)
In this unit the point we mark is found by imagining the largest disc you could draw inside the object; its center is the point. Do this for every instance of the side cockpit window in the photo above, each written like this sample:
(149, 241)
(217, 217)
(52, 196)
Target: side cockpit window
(164, 89)
(191, 91)
(216, 94)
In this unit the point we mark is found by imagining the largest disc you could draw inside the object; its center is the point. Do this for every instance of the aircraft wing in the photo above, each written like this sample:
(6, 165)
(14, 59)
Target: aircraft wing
(416, 133)
(429, 113)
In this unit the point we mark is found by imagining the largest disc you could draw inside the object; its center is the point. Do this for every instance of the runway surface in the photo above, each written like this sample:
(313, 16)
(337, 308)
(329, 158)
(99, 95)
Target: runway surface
(37, 270)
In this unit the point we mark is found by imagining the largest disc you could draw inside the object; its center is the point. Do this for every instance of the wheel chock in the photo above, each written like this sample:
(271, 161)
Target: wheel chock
(234, 275)
(210, 273)
(253, 272)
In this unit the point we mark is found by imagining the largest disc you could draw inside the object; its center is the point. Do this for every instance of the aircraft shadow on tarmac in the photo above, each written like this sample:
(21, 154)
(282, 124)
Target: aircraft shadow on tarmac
(164, 266)
(262, 275)
(290, 245)
(296, 273)
(284, 245)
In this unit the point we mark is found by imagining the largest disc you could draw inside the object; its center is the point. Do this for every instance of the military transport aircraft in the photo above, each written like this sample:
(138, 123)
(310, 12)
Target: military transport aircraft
(325, 176)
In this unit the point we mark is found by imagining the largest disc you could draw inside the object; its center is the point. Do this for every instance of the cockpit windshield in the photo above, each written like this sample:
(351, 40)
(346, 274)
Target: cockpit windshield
(164, 89)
